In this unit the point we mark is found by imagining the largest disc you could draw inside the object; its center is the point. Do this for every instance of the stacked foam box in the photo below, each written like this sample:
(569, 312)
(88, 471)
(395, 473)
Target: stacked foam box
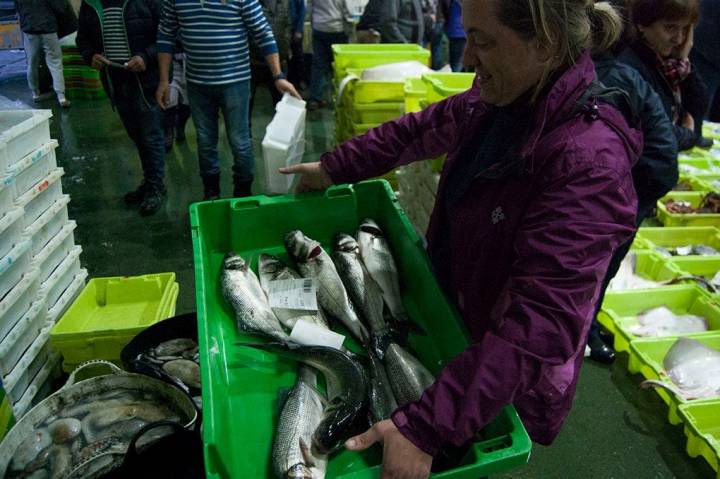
(40, 273)
(81, 81)
(284, 144)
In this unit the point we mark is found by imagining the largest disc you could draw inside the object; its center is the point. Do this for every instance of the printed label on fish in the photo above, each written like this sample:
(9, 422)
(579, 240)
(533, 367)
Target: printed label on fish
(293, 294)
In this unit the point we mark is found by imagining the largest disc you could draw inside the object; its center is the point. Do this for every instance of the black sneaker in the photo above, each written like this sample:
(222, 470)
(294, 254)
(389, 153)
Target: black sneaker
(135, 198)
(152, 202)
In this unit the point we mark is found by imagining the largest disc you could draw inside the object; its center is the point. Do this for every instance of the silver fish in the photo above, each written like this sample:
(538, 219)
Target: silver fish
(408, 378)
(378, 259)
(271, 268)
(242, 290)
(362, 289)
(314, 262)
(381, 399)
(346, 385)
(292, 455)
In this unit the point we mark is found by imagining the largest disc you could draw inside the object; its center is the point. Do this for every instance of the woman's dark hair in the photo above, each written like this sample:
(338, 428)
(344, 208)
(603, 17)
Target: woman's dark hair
(647, 12)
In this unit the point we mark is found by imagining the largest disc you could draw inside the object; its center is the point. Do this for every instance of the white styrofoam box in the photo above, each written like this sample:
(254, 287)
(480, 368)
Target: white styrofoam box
(48, 225)
(18, 301)
(277, 155)
(7, 194)
(67, 298)
(21, 336)
(11, 229)
(42, 196)
(52, 288)
(22, 132)
(13, 266)
(17, 382)
(32, 169)
(289, 121)
(55, 251)
(395, 72)
(40, 387)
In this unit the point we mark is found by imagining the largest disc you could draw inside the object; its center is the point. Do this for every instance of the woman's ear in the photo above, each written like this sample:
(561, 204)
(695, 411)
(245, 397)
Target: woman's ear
(543, 52)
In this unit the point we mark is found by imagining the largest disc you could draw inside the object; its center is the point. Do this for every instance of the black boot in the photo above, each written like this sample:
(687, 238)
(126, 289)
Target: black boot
(153, 201)
(135, 197)
(183, 114)
(599, 351)
(212, 187)
(242, 188)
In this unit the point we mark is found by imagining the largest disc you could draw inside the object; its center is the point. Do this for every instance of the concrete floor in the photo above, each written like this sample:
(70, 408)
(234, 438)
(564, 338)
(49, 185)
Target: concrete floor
(615, 429)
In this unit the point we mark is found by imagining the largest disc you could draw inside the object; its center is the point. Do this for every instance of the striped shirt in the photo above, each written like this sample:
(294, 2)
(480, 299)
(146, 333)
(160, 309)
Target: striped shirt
(215, 36)
(114, 39)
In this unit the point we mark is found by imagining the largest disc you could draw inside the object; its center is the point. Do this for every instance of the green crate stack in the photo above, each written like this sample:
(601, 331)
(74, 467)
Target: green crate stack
(702, 427)
(81, 81)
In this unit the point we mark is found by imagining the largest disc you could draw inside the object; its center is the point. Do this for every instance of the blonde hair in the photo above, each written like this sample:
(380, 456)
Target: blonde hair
(607, 27)
(563, 27)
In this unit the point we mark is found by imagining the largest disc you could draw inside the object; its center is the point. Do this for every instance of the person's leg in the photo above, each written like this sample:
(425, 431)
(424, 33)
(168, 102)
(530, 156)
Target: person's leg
(295, 65)
(53, 58)
(317, 74)
(457, 53)
(33, 49)
(235, 99)
(204, 107)
(169, 121)
(183, 114)
(152, 151)
(436, 45)
(126, 111)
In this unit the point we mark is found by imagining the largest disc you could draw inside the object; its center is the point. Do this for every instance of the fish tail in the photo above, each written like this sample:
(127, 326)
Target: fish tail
(654, 383)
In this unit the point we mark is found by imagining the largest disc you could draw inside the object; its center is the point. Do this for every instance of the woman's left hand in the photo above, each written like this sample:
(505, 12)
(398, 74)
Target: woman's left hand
(401, 458)
(285, 86)
(683, 51)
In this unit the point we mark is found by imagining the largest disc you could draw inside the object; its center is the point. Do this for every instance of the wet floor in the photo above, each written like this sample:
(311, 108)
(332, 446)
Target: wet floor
(615, 429)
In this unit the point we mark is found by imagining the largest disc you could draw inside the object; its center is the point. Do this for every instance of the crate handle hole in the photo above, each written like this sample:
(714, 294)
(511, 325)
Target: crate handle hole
(246, 204)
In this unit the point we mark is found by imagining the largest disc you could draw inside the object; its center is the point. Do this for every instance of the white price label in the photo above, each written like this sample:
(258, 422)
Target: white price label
(293, 294)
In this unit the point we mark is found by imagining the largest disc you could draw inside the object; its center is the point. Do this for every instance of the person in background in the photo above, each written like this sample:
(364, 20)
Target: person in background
(436, 38)
(368, 28)
(452, 11)
(535, 198)
(656, 172)
(663, 31)
(401, 21)
(296, 64)
(705, 55)
(38, 22)
(329, 19)
(430, 16)
(277, 14)
(217, 68)
(118, 38)
(178, 111)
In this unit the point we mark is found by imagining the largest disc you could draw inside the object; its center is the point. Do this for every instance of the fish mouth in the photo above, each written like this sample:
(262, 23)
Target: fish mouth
(316, 251)
(369, 226)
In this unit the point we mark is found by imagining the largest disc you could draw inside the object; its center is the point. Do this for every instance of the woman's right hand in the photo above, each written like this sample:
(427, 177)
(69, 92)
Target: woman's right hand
(688, 122)
(313, 176)
(98, 61)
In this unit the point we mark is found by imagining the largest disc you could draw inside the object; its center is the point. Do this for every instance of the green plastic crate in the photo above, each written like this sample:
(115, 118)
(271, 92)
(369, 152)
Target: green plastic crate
(240, 385)
(711, 181)
(711, 130)
(370, 91)
(415, 92)
(620, 309)
(361, 56)
(702, 428)
(694, 219)
(692, 166)
(647, 359)
(109, 313)
(696, 182)
(650, 238)
(376, 112)
(444, 85)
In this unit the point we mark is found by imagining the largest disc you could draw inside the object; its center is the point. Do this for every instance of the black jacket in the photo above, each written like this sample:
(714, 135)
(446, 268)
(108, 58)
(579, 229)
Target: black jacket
(656, 172)
(39, 16)
(693, 91)
(142, 18)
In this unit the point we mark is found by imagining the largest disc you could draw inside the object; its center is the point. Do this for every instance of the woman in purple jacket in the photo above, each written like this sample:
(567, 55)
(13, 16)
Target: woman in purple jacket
(535, 197)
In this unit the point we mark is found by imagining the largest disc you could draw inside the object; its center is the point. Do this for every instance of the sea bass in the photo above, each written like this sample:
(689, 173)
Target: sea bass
(375, 253)
(292, 456)
(314, 262)
(381, 399)
(242, 290)
(362, 289)
(408, 378)
(272, 269)
(346, 385)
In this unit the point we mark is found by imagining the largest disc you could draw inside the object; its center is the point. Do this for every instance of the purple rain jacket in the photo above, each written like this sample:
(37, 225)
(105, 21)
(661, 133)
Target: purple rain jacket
(527, 252)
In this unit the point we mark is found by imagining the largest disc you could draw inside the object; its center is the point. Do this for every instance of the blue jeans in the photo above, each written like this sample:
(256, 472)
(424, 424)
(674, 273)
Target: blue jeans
(436, 45)
(457, 53)
(322, 61)
(143, 121)
(206, 102)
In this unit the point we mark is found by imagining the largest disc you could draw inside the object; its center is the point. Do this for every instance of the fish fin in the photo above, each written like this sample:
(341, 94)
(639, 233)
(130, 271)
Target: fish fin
(306, 453)
(379, 344)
